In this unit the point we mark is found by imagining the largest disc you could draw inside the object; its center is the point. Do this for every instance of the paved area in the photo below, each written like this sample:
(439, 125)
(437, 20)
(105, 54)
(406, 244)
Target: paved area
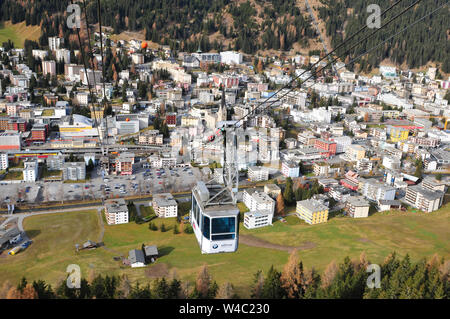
(143, 182)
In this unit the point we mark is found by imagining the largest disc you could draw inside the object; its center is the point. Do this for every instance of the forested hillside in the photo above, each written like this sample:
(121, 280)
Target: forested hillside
(256, 25)
(426, 41)
(183, 24)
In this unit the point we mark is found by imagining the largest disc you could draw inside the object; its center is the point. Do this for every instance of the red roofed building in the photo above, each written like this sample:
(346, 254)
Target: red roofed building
(171, 119)
(328, 148)
(17, 124)
(351, 180)
(39, 132)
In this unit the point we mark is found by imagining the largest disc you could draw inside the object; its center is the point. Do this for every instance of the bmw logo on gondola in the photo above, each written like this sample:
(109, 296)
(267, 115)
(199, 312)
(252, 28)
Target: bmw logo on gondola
(215, 246)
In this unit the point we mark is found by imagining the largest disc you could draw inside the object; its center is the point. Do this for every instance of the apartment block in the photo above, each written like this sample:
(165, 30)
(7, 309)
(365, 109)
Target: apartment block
(375, 190)
(433, 184)
(257, 219)
(355, 152)
(424, 199)
(30, 171)
(74, 171)
(151, 137)
(124, 164)
(258, 201)
(116, 211)
(4, 163)
(165, 205)
(364, 165)
(397, 134)
(258, 173)
(357, 207)
(312, 211)
(290, 169)
(272, 190)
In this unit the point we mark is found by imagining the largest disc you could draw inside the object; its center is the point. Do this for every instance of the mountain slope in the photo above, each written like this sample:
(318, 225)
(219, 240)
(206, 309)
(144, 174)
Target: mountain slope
(257, 26)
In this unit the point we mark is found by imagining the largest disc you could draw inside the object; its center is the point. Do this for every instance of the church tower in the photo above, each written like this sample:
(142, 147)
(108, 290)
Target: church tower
(222, 114)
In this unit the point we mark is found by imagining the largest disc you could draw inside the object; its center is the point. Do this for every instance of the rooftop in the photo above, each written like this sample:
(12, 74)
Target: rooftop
(428, 194)
(163, 200)
(358, 201)
(116, 205)
(312, 205)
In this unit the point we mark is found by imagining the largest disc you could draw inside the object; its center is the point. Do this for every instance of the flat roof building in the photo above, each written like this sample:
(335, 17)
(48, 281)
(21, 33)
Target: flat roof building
(116, 211)
(312, 211)
(424, 199)
(165, 205)
(357, 207)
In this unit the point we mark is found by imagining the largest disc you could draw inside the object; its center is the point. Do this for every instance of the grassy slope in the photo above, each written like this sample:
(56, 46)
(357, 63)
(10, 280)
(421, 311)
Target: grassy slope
(54, 236)
(18, 33)
(418, 234)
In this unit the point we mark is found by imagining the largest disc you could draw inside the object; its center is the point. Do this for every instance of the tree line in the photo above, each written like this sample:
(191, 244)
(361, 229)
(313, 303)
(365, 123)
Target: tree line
(184, 25)
(425, 41)
(400, 278)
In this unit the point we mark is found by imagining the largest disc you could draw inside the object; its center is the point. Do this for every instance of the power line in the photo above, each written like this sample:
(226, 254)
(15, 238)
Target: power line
(85, 65)
(334, 60)
(99, 11)
(92, 61)
(391, 37)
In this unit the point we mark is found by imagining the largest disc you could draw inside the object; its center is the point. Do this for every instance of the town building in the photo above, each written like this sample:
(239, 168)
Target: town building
(351, 180)
(49, 67)
(257, 200)
(257, 219)
(124, 164)
(312, 211)
(116, 211)
(258, 173)
(272, 190)
(357, 207)
(290, 169)
(151, 137)
(74, 171)
(424, 199)
(30, 171)
(165, 205)
(375, 190)
(327, 147)
(4, 163)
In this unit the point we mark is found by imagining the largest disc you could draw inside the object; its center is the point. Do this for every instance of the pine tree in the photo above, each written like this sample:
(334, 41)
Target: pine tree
(174, 289)
(272, 288)
(203, 283)
(293, 277)
(226, 291)
(258, 284)
(161, 290)
(288, 192)
(280, 205)
(124, 288)
(329, 274)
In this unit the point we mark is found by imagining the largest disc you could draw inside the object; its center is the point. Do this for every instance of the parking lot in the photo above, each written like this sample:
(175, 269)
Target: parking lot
(144, 181)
